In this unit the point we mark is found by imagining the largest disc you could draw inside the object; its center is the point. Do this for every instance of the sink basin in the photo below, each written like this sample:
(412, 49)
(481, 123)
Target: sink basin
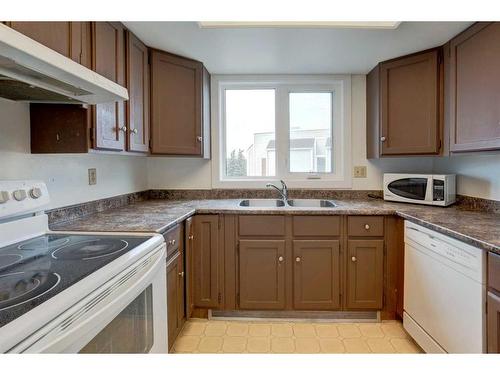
(310, 203)
(262, 203)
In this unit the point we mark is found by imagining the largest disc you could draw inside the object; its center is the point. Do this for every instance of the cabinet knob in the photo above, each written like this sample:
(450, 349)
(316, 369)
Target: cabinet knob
(297, 259)
(353, 259)
(367, 226)
(181, 274)
(134, 131)
(281, 259)
(382, 139)
(199, 139)
(171, 242)
(190, 237)
(123, 129)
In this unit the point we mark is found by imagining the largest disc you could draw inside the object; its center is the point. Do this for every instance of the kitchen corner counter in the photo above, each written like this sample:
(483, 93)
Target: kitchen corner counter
(477, 228)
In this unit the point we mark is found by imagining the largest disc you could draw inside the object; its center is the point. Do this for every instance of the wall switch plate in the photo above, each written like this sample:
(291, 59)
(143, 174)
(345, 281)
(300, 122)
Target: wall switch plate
(360, 172)
(92, 176)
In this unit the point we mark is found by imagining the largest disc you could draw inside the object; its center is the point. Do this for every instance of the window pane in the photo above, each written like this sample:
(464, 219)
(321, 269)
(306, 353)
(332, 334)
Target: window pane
(250, 133)
(311, 132)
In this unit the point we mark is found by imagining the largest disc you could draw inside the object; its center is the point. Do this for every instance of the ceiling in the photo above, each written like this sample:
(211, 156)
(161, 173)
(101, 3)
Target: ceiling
(290, 50)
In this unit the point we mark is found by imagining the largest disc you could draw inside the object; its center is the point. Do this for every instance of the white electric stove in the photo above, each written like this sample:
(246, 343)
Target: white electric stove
(76, 292)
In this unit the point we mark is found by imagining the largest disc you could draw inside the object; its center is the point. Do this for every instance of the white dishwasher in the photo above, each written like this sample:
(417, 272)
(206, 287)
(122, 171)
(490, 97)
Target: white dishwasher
(444, 292)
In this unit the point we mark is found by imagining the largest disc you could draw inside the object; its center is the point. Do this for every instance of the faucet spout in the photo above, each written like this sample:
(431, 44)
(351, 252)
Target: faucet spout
(283, 191)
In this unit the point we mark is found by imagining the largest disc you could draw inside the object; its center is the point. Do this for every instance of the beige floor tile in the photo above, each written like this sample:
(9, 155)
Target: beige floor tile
(329, 345)
(234, 345)
(237, 329)
(371, 330)
(215, 329)
(259, 345)
(326, 330)
(193, 328)
(380, 345)
(393, 330)
(186, 344)
(405, 346)
(307, 345)
(303, 330)
(282, 345)
(348, 330)
(281, 330)
(356, 345)
(210, 344)
(259, 329)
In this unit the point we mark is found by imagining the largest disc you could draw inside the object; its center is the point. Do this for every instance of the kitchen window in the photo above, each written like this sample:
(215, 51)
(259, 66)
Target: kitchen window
(295, 128)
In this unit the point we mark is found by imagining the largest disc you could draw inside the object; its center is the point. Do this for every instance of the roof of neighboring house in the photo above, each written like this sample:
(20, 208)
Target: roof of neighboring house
(294, 143)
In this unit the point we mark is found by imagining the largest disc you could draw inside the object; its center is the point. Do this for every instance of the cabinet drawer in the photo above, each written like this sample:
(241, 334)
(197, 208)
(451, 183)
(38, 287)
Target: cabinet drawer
(494, 271)
(261, 225)
(316, 226)
(172, 238)
(365, 226)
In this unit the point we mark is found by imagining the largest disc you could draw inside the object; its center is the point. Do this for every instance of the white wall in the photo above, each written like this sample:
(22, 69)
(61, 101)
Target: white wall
(66, 175)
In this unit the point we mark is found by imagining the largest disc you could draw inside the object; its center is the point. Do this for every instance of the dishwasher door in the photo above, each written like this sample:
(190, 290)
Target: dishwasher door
(444, 296)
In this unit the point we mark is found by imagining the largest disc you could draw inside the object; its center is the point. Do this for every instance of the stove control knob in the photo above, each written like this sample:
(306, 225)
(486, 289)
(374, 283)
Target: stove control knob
(19, 195)
(4, 196)
(35, 193)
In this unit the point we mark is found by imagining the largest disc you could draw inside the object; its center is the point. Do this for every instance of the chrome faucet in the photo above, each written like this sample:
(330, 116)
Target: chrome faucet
(283, 191)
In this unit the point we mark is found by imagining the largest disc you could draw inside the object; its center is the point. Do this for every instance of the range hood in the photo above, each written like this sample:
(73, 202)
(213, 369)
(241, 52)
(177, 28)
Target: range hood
(31, 72)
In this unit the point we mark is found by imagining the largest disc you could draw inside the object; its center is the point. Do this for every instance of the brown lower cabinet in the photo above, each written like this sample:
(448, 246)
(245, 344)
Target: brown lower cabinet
(493, 322)
(189, 265)
(175, 297)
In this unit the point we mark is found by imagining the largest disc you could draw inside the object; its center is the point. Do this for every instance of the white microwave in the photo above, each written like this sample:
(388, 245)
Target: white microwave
(432, 189)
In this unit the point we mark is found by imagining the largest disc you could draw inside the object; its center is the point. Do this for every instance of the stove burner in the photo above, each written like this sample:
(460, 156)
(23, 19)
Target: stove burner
(7, 260)
(45, 242)
(20, 287)
(91, 249)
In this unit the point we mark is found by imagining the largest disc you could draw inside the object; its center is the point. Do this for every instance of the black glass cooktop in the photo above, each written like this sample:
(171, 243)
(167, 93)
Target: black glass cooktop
(35, 270)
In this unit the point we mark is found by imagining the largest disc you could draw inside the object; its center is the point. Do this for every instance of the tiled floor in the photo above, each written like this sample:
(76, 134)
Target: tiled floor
(218, 336)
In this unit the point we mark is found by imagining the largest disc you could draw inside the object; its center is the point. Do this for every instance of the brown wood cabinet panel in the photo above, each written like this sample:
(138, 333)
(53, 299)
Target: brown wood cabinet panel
(373, 113)
(261, 225)
(410, 104)
(175, 297)
(173, 239)
(319, 226)
(316, 277)
(473, 91)
(177, 105)
(189, 265)
(138, 90)
(364, 226)
(206, 261)
(71, 39)
(262, 274)
(493, 323)
(108, 59)
(494, 271)
(365, 274)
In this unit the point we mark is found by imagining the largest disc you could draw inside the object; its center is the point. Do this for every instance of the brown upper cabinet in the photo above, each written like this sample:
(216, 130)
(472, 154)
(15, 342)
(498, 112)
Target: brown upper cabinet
(473, 95)
(404, 106)
(180, 106)
(71, 39)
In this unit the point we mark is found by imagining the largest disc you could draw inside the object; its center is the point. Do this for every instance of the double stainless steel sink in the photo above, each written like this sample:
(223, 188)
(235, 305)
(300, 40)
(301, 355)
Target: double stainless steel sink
(303, 203)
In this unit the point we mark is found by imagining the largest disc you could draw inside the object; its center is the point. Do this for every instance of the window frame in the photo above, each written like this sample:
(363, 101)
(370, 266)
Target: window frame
(283, 86)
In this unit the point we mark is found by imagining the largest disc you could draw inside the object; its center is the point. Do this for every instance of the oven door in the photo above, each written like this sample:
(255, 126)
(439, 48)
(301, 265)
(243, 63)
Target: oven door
(126, 315)
(407, 188)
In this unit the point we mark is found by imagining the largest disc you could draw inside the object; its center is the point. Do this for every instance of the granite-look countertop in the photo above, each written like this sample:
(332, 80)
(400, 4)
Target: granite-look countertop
(477, 228)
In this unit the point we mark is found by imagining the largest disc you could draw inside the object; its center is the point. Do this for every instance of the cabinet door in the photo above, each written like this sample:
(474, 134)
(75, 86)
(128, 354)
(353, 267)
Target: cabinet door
(108, 59)
(138, 91)
(68, 38)
(316, 278)
(473, 91)
(206, 261)
(176, 105)
(175, 317)
(410, 104)
(493, 323)
(365, 274)
(262, 274)
(188, 256)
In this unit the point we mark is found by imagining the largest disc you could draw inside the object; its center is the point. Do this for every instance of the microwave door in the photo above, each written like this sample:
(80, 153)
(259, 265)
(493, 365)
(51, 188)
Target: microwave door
(411, 189)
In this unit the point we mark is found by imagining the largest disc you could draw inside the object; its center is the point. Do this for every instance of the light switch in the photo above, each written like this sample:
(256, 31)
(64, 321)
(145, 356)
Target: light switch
(92, 176)
(360, 172)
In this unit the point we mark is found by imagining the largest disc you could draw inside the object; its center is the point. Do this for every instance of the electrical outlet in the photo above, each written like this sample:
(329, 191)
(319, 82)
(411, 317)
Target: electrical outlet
(92, 176)
(360, 172)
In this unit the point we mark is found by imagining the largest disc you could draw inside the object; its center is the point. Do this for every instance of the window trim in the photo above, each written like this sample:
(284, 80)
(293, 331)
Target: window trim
(280, 83)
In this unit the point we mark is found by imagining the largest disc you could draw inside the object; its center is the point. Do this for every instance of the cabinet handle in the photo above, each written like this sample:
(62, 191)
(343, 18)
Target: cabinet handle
(199, 139)
(190, 237)
(297, 259)
(367, 226)
(382, 139)
(181, 274)
(281, 259)
(353, 259)
(134, 131)
(171, 242)
(123, 129)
